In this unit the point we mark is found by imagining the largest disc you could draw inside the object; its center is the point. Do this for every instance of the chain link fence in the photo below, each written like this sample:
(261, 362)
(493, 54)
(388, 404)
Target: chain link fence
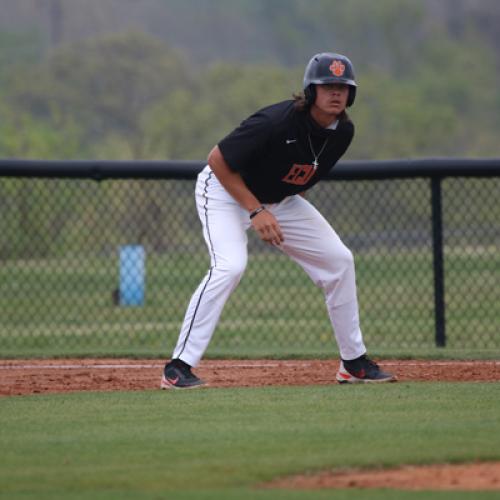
(107, 268)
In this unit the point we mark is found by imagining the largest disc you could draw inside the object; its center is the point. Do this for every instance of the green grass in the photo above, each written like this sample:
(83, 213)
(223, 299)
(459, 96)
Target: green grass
(64, 307)
(223, 443)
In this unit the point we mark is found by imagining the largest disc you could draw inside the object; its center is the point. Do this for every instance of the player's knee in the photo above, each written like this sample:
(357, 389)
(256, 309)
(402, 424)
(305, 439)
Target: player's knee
(347, 258)
(233, 269)
(341, 258)
(340, 265)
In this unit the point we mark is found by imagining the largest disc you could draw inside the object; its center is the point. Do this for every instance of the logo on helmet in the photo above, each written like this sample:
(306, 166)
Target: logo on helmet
(337, 68)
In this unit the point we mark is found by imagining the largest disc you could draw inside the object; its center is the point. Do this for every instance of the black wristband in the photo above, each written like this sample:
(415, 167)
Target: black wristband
(257, 211)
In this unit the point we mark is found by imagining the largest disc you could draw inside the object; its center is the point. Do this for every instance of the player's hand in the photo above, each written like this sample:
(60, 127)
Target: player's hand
(267, 228)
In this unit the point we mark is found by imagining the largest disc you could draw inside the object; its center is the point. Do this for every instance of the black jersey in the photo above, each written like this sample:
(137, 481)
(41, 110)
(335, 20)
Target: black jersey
(274, 151)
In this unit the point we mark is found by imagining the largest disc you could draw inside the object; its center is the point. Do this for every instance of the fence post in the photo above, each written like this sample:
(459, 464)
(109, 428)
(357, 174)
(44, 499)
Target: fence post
(438, 261)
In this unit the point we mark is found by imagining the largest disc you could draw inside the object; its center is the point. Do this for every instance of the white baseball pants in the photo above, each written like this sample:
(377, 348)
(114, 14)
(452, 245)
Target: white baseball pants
(308, 239)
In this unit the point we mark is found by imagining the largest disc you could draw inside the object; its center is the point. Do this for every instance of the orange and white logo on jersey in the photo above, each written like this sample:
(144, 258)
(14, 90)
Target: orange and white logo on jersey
(337, 68)
(299, 174)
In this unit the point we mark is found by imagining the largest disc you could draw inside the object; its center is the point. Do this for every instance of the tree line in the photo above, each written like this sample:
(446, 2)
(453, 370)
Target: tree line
(130, 96)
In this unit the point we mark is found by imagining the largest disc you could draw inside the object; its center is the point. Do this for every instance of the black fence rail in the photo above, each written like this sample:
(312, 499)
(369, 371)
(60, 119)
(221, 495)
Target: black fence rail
(108, 267)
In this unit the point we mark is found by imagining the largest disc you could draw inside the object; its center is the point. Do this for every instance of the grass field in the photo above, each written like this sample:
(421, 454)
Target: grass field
(224, 443)
(64, 307)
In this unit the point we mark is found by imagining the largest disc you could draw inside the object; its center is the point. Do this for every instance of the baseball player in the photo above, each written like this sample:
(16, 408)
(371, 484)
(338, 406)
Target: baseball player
(256, 177)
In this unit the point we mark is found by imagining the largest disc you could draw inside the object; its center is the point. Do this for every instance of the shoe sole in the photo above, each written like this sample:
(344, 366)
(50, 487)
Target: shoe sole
(354, 380)
(165, 384)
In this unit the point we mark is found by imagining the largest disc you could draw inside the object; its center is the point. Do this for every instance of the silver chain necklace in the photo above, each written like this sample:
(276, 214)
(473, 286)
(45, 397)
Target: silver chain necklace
(316, 156)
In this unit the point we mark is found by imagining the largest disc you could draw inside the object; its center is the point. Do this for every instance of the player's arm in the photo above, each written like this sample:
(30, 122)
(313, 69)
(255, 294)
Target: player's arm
(264, 222)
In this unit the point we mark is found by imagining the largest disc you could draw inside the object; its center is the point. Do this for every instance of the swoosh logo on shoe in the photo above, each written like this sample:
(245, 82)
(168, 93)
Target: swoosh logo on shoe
(172, 381)
(360, 374)
(345, 375)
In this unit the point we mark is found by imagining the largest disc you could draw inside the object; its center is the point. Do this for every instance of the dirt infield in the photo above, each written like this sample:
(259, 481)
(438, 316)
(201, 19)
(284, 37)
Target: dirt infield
(22, 377)
(464, 477)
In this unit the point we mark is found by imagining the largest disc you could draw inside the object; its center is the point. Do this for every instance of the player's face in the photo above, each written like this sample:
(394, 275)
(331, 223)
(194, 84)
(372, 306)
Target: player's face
(331, 98)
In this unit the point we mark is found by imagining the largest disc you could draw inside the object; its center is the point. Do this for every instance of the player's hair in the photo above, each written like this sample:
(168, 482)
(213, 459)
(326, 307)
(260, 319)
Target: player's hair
(302, 104)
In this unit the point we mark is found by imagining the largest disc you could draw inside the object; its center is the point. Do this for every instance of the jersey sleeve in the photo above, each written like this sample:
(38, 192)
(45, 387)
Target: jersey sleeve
(240, 147)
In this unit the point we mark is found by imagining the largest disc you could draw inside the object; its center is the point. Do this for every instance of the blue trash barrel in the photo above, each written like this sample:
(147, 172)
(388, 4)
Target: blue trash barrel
(132, 275)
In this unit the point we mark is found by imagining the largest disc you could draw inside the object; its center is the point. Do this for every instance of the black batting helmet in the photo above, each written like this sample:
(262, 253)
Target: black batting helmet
(328, 67)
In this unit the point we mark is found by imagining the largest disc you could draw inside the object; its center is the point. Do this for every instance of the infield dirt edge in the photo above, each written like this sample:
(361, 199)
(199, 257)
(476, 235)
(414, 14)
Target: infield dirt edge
(43, 376)
(478, 476)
